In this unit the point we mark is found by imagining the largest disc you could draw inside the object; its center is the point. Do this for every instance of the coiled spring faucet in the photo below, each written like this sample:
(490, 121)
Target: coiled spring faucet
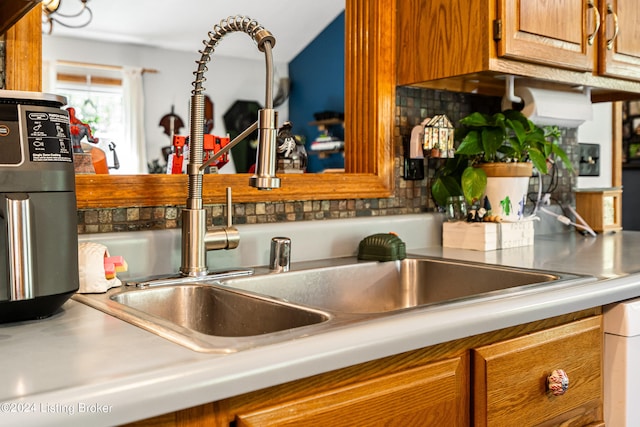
(194, 216)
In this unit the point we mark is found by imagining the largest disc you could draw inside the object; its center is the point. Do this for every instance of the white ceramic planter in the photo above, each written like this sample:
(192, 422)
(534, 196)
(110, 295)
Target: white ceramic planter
(508, 196)
(507, 188)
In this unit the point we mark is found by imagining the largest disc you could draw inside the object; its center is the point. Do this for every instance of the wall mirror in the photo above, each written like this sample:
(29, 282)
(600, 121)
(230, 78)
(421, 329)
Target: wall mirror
(96, 67)
(369, 122)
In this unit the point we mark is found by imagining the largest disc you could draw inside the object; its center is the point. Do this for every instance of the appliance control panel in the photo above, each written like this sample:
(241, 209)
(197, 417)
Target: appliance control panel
(10, 148)
(47, 134)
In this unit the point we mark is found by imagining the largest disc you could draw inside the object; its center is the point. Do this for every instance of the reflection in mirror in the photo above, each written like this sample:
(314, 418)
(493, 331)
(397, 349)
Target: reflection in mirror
(98, 72)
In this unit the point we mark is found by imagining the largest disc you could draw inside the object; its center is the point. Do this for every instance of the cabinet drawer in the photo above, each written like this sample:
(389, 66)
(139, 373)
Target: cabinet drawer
(431, 395)
(510, 377)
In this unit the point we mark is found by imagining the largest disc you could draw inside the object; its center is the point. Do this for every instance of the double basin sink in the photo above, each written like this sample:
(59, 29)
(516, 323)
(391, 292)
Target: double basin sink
(223, 314)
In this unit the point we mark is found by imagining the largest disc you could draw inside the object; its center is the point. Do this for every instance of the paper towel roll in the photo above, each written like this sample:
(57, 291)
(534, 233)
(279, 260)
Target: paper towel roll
(552, 107)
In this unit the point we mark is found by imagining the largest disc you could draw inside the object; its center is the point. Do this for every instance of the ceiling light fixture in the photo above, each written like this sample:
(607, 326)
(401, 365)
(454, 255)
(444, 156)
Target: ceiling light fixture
(50, 15)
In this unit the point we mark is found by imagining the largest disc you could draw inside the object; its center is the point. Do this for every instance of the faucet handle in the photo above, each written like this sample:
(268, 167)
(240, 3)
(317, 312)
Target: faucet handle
(229, 208)
(223, 237)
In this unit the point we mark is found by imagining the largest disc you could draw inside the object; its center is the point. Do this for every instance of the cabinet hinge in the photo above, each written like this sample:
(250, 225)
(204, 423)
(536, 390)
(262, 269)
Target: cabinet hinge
(497, 29)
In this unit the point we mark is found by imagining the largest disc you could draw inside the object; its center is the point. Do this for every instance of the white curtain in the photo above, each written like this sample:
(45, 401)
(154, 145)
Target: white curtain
(49, 76)
(133, 95)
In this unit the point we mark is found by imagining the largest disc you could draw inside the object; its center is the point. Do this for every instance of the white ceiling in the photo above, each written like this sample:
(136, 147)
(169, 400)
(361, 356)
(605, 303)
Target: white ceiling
(184, 24)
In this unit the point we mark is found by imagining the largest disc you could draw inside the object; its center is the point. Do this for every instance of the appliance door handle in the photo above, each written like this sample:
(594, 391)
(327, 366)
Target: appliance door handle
(21, 246)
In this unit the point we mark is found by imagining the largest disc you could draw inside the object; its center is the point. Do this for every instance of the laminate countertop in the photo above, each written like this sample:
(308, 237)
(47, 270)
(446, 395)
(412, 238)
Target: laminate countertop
(83, 367)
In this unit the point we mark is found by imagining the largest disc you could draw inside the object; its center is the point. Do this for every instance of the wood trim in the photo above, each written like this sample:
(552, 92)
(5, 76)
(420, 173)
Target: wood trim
(82, 79)
(91, 65)
(616, 149)
(23, 64)
(369, 126)
(94, 191)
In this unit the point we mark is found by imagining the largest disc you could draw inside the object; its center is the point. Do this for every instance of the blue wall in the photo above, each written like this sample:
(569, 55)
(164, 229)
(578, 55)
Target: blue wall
(317, 84)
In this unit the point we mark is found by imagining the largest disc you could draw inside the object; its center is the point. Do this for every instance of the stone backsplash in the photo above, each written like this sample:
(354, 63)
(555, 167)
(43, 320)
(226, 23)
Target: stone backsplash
(412, 105)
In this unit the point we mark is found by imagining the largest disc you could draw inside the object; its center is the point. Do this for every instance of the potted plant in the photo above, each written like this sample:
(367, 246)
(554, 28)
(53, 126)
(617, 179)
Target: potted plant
(505, 146)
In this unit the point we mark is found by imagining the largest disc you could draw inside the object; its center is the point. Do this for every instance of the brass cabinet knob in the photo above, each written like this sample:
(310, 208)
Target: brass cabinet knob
(558, 382)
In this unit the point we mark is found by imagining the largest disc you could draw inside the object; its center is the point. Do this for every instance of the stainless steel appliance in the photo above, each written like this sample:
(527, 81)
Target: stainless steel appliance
(38, 220)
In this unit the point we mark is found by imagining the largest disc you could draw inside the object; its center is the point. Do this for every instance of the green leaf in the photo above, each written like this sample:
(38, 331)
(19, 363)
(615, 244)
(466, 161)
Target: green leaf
(474, 183)
(519, 132)
(538, 159)
(492, 139)
(563, 156)
(497, 120)
(475, 120)
(517, 116)
(444, 187)
(470, 145)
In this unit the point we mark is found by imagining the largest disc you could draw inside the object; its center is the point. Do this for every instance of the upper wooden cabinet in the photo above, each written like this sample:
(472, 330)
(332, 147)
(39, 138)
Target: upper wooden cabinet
(619, 43)
(584, 35)
(560, 33)
(463, 45)
(12, 10)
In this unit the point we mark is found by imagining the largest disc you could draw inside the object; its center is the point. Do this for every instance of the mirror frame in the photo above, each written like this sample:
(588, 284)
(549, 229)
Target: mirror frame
(370, 80)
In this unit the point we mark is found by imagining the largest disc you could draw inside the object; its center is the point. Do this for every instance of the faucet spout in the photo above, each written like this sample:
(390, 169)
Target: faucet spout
(193, 215)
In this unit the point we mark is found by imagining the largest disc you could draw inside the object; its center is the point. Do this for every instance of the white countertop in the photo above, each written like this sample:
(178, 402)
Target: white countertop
(83, 367)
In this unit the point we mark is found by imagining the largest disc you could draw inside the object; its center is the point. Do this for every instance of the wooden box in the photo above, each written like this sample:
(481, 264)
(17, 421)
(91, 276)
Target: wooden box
(601, 208)
(487, 236)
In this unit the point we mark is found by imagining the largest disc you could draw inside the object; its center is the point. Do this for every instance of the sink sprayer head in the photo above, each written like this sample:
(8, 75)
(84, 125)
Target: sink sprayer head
(267, 124)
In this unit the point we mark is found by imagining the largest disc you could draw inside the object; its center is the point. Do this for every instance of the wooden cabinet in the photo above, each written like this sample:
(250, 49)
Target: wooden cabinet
(432, 395)
(493, 379)
(560, 33)
(510, 378)
(619, 43)
(601, 208)
(601, 36)
(464, 45)
(12, 10)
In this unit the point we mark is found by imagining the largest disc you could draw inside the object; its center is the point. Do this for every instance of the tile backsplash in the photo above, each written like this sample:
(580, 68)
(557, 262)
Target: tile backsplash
(412, 106)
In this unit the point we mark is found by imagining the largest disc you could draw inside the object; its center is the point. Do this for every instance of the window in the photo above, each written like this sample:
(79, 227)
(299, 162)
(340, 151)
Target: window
(102, 108)
(104, 97)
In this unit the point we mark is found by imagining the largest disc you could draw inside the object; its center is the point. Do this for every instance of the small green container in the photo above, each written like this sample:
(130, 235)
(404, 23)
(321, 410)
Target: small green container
(382, 247)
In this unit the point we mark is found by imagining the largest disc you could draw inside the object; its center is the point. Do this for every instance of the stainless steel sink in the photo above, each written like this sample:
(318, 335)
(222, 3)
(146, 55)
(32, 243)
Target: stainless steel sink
(231, 314)
(379, 287)
(214, 311)
(205, 317)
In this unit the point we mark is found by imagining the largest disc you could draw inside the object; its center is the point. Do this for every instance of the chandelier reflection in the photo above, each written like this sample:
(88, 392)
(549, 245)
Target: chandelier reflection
(50, 14)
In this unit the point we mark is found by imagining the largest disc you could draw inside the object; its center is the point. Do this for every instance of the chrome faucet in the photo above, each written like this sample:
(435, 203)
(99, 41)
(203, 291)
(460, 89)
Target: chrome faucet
(194, 234)
(196, 240)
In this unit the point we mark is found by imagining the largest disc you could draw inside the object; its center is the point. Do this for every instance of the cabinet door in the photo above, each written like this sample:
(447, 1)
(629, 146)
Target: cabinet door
(554, 33)
(620, 39)
(510, 378)
(432, 395)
